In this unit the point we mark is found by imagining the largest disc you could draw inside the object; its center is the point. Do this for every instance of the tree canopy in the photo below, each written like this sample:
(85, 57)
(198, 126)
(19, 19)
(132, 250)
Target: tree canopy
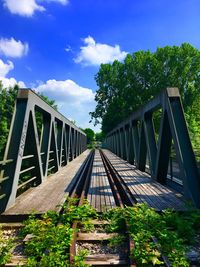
(99, 137)
(90, 135)
(125, 86)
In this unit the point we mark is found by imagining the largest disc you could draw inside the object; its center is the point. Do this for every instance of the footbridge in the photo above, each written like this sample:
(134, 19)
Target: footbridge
(46, 159)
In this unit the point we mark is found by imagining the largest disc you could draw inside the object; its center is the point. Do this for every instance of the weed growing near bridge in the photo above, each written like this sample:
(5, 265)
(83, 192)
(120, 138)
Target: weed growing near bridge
(51, 236)
(154, 235)
(5, 247)
(169, 233)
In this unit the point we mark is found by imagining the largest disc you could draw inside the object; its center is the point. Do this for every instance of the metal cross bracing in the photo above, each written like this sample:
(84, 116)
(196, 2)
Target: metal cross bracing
(40, 142)
(135, 140)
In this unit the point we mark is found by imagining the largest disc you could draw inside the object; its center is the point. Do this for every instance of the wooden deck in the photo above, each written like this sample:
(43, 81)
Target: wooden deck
(51, 193)
(143, 188)
(100, 195)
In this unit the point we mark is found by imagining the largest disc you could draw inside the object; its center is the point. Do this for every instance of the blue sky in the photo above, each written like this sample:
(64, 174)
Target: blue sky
(56, 46)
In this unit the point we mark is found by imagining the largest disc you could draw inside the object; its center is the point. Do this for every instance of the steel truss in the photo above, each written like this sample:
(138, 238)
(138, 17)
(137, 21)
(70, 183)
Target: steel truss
(40, 142)
(134, 139)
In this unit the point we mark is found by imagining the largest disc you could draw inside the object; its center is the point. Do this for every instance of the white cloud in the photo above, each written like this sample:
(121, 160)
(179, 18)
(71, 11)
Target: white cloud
(27, 8)
(5, 67)
(23, 7)
(7, 82)
(67, 90)
(74, 101)
(12, 48)
(96, 53)
(4, 70)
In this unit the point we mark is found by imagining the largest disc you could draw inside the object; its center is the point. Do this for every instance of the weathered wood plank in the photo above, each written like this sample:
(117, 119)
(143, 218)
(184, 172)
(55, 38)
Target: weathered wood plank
(145, 189)
(51, 193)
(100, 195)
(95, 236)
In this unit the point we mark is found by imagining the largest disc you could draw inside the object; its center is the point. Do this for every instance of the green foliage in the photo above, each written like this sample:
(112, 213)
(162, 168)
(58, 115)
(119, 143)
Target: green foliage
(90, 135)
(99, 137)
(124, 87)
(7, 101)
(116, 240)
(73, 213)
(79, 258)
(49, 101)
(172, 231)
(5, 247)
(49, 243)
(51, 235)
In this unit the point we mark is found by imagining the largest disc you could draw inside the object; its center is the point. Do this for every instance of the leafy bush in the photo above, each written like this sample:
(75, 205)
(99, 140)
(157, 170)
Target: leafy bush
(5, 248)
(172, 231)
(51, 235)
(168, 233)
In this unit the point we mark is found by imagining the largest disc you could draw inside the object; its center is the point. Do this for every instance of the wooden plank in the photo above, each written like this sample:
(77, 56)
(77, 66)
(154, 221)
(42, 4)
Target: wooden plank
(166, 196)
(106, 259)
(97, 222)
(17, 261)
(92, 188)
(106, 192)
(98, 195)
(143, 188)
(107, 263)
(89, 195)
(9, 226)
(100, 191)
(95, 236)
(51, 193)
(101, 184)
(109, 198)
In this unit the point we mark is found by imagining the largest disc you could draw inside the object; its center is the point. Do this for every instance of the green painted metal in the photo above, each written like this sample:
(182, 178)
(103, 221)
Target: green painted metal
(41, 141)
(142, 142)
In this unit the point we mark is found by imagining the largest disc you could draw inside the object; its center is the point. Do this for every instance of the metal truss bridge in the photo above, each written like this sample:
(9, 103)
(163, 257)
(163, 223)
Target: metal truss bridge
(46, 159)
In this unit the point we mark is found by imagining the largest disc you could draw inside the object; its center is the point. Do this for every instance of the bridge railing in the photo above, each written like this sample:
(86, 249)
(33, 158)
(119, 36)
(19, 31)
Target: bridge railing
(135, 140)
(40, 142)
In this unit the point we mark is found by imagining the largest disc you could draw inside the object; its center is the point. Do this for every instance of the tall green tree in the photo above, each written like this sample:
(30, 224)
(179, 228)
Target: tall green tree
(124, 87)
(7, 100)
(99, 137)
(90, 135)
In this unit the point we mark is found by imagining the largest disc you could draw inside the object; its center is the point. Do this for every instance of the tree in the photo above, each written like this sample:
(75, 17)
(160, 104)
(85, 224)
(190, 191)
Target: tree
(124, 87)
(90, 135)
(7, 102)
(99, 137)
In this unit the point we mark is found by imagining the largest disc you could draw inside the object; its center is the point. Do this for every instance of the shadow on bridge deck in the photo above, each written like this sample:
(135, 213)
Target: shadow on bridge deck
(143, 188)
